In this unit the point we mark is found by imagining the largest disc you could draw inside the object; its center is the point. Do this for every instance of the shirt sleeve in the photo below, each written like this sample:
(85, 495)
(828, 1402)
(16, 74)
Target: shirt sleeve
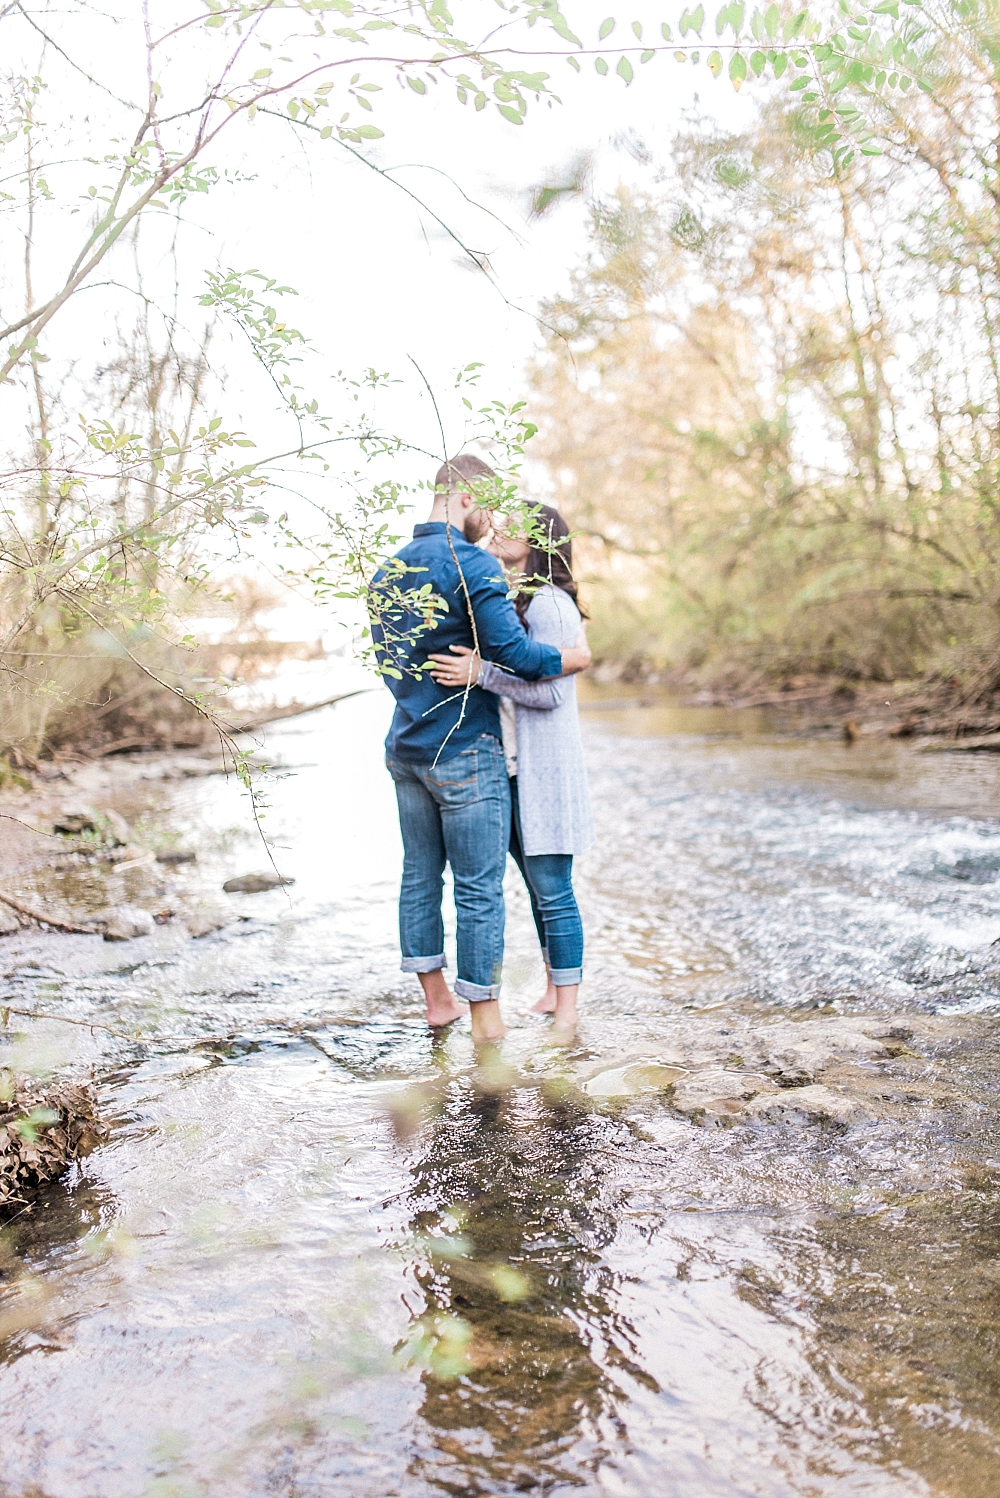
(501, 636)
(541, 695)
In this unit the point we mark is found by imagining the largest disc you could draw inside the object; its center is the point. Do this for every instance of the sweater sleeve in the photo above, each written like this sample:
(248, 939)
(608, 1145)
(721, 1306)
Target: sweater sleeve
(500, 635)
(541, 695)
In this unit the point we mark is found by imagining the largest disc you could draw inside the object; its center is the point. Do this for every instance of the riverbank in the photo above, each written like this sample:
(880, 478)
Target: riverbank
(825, 705)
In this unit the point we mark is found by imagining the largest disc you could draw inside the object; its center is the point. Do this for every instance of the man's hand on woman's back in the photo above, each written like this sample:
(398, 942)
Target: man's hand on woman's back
(578, 657)
(461, 667)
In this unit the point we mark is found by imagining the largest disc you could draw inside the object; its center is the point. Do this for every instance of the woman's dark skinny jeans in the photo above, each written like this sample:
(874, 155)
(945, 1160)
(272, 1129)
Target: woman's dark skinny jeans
(549, 877)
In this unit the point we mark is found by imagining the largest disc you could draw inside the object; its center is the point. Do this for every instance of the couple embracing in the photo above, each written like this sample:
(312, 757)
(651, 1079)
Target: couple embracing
(484, 747)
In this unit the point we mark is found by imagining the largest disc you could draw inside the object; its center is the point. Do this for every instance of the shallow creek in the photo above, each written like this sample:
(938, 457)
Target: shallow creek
(743, 1238)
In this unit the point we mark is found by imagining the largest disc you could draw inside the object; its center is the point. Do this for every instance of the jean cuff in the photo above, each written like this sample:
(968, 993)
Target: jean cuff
(564, 977)
(476, 993)
(423, 964)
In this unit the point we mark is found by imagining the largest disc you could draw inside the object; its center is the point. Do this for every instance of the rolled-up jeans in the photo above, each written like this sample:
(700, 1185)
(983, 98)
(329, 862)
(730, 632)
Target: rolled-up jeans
(457, 812)
(549, 877)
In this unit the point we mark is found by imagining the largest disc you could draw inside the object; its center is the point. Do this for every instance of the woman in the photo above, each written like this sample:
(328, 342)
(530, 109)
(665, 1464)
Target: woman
(541, 736)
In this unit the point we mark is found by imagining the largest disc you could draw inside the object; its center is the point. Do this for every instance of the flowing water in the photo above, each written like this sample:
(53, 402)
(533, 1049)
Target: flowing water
(326, 1253)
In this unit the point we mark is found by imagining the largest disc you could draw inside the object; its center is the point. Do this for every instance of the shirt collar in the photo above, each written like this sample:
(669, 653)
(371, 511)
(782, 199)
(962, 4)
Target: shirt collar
(435, 528)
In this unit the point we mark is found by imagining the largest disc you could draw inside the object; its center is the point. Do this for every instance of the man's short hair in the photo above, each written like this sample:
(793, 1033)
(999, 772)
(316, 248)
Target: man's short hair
(457, 472)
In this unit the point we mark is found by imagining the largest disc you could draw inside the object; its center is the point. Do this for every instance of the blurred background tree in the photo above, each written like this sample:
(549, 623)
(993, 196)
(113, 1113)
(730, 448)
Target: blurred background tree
(771, 396)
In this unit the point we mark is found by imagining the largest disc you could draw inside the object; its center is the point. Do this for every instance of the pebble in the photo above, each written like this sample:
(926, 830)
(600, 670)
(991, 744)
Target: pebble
(176, 855)
(74, 819)
(116, 824)
(131, 853)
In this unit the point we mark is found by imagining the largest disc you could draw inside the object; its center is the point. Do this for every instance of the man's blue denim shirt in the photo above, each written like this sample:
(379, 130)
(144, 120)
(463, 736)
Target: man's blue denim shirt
(429, 720)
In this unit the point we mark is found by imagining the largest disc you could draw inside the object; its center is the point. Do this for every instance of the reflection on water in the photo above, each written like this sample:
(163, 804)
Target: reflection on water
(509, 1205)
(323, 1253)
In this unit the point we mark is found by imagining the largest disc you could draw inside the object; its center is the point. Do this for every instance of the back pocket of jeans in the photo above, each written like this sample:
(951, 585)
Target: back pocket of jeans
(456, 780)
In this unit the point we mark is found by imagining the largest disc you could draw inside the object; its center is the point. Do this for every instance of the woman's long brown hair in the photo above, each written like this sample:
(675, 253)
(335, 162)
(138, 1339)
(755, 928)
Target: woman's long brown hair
(554, 564)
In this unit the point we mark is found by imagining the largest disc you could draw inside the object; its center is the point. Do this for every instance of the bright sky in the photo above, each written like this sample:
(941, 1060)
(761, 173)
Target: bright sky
(378, 279)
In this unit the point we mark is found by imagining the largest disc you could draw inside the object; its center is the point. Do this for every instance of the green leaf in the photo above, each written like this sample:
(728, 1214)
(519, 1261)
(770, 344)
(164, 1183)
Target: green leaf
(573, 63)
(624, 70)
(772, 20)
(637, 28)
(508, 114)
(559, 23)
(370, 132)
(606, 28)
(418, 85)
(692, 20)
(646, 56)
(758, 62)
(601, 66)
(715, 64)
(737, 69)
(666, 32)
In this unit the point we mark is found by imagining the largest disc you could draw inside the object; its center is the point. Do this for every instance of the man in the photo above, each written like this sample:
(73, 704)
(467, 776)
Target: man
(444, 749)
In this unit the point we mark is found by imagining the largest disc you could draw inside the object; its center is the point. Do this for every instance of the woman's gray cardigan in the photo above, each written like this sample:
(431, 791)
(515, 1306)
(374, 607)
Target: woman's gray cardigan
(551, 778)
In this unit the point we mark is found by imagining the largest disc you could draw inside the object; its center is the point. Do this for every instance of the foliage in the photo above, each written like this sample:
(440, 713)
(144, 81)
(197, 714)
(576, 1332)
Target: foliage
(773, 399)
(106, 515)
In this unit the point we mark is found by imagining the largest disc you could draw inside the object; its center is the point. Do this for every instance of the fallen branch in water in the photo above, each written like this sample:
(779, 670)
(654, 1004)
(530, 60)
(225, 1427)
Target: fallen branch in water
(47, 920)
(65, 1019)
(296, 710)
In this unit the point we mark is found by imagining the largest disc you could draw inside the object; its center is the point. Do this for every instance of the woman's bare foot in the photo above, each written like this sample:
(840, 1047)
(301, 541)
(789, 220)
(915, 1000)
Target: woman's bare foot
(442, 1006)
(564, 1015)
(486, 1022)
(547, 1003)
(563, 1011)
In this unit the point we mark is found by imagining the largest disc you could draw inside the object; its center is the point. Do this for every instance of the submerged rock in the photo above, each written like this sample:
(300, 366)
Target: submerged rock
(633, 1080)
(9, 922)
(125, 922)
(255, 884)
(175, 855)
(204, 922)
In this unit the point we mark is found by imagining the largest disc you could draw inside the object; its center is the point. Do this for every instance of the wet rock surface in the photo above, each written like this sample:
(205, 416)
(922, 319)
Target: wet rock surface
(257, 883)
(758, 1069)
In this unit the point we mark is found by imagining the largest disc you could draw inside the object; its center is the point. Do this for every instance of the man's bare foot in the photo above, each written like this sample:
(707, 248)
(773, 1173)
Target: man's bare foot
(486, 1022)
(442, 1006)
(547, 1003)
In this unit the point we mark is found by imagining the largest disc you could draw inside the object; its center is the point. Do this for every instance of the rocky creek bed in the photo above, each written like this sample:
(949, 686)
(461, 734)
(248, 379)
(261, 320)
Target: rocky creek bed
(743, 1237)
